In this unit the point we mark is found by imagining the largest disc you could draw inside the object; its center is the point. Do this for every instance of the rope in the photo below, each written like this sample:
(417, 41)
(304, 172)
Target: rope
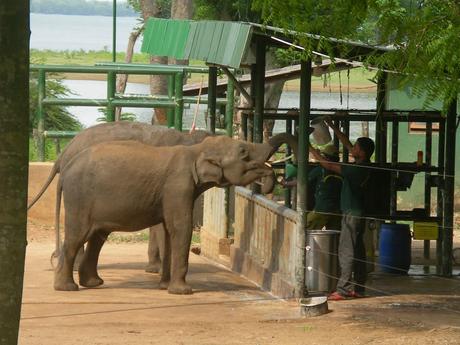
(193, 127)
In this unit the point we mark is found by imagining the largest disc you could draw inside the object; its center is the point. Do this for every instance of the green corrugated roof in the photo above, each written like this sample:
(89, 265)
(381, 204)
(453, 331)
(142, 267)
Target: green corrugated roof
(217, 42)
(227, 43)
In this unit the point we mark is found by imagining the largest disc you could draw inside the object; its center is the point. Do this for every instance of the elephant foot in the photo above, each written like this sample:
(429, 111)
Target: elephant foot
(91, 282)
(153, 268)
(65, 286)
(180, 289)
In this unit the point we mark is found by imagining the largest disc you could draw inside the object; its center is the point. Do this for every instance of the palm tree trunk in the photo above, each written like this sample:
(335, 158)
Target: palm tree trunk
(14, 141)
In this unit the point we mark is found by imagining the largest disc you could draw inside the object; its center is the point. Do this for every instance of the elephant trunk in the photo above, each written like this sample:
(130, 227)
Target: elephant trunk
(284, 138)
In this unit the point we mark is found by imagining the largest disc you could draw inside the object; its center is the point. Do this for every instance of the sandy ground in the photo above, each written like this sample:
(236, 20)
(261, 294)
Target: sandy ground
(224, 309)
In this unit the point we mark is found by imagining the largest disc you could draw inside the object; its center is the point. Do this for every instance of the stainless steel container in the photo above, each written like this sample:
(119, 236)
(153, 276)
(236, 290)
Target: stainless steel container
(321, 273)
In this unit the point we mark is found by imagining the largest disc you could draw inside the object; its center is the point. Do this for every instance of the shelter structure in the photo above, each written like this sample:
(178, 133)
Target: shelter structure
(230, 45)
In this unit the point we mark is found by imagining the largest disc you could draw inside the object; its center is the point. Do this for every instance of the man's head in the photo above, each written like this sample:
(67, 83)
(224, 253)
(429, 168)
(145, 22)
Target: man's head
(363, 149)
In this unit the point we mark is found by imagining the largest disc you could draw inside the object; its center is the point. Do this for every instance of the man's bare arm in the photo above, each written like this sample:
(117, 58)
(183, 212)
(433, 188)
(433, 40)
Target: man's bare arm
(342, 137)
(328, 165)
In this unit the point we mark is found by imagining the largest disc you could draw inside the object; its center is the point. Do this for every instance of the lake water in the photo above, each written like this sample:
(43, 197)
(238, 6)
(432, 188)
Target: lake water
(70, 32)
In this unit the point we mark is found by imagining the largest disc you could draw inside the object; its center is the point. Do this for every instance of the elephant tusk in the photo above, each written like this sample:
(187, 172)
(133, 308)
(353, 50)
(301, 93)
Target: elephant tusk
(283, 159)
(268, 165)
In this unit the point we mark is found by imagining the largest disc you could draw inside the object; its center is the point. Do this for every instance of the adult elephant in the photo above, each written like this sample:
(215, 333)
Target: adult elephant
(128, 186)
(147, 134)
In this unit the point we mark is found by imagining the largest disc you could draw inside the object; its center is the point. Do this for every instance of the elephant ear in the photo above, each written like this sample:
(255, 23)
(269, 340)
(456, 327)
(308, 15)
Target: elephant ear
(208, 169)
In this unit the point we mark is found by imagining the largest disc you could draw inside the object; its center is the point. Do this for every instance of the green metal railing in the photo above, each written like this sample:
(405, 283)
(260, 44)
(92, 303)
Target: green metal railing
(174, 101)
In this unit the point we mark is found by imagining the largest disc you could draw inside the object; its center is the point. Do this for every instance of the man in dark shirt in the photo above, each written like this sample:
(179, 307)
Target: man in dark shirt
(326, 186)
(352, 253)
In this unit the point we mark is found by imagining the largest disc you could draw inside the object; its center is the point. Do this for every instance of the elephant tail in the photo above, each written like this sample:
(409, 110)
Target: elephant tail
(53, 173)
(57, 216)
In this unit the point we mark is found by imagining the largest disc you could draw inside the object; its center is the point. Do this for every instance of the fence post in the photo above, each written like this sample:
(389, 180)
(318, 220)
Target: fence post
(170, 111)
(41, 115)
(179, 100)
(111, 84)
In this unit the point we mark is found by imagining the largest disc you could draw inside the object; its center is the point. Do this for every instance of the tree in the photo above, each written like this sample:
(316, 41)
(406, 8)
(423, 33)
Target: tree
(14, 124)
(424, 34)
(57, 118)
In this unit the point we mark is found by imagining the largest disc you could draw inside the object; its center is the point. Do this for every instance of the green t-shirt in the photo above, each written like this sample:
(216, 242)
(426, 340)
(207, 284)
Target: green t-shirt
(355, 178)
(327, 187)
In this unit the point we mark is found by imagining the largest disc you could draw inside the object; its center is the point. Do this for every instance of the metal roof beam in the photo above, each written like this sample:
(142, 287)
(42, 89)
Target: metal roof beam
(238, 86)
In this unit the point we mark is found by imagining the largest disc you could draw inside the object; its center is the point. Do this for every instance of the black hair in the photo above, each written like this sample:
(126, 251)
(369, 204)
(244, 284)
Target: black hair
(367, 145)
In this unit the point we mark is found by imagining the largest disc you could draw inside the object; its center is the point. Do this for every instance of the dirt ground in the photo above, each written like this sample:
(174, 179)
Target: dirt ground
(224, 309)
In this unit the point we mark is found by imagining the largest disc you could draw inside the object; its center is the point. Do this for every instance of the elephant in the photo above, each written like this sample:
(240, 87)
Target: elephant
(128, 186)
(147, 134)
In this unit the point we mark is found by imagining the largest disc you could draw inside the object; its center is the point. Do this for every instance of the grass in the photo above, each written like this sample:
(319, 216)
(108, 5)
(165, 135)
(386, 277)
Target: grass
(50, 149)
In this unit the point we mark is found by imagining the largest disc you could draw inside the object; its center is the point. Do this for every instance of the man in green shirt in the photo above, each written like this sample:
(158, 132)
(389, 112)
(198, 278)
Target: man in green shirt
(326, 186)
(352, 253)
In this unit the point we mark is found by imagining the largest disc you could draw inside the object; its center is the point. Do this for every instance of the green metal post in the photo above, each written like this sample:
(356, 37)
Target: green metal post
(179, 92)
(302, 176)
(212, 95)
(449, 189)
(244, 125)
(41, 115)
(287, 191)
(111, 81)
(259, 91)
(380, 144)
(229, 108)
(114, 32)
(394, 162)
(428, 146)
(170, 111)
(440, 203)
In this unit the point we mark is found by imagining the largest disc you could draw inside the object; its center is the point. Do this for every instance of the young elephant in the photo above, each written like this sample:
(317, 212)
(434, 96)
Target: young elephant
(128, 186)
(142, 132)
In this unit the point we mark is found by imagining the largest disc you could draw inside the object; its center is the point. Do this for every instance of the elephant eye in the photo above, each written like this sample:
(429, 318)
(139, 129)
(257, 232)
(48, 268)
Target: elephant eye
(243, 152)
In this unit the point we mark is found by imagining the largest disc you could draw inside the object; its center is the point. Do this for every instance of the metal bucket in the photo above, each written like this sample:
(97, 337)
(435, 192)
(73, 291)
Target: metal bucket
(321, 260)
(321, 134)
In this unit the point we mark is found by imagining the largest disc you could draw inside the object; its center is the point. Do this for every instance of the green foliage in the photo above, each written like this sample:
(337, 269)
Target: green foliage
(51, 151)
(237, 10)
(80, 7)
(123, 116)
(425, 35)
(56, 117)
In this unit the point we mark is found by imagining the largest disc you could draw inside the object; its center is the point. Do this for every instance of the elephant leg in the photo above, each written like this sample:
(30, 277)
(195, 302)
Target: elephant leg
(63, 276)
(164, 245)
(156, 238)
(87, 270)
(79, 258)
(179, 227)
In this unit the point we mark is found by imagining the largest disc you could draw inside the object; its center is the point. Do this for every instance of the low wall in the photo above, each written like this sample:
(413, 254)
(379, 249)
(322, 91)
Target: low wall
(43, 211)
(265, 242)
(214, 230)
(263, 246)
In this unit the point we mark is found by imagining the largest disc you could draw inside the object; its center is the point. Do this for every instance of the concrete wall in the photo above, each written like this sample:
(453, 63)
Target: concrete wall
(43, 211)
(263, 246)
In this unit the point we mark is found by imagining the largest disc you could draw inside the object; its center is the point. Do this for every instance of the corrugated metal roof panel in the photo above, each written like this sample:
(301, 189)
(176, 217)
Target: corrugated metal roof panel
(166, 37)
(218, 42)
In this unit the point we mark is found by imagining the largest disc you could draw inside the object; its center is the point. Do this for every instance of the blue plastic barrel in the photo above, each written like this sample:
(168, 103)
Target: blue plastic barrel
(394, 248)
